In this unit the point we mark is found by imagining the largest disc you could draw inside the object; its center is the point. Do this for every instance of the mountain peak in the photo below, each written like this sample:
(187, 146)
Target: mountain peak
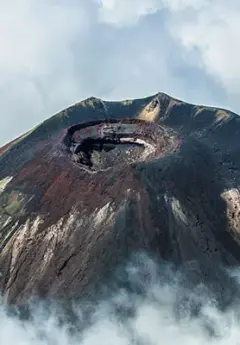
(84, 190)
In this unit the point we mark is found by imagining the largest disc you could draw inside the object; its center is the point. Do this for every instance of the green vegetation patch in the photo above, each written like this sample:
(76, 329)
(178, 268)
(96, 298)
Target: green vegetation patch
(12, 203)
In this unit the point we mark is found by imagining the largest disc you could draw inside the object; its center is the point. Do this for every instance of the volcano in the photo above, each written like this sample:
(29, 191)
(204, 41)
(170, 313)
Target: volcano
(99, 181)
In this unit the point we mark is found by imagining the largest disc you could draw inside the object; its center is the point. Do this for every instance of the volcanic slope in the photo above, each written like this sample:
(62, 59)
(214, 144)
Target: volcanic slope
(101, 180)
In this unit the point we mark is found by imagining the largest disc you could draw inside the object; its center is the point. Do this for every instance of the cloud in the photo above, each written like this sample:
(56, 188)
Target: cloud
(129, 12)
(214, 31)
(163, 313)
(36, 64)
(125, 12)
(55, 53)
(207, 32)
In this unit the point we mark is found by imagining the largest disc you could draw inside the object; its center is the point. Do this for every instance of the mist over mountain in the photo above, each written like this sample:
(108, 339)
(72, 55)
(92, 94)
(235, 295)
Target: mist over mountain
(155, 308)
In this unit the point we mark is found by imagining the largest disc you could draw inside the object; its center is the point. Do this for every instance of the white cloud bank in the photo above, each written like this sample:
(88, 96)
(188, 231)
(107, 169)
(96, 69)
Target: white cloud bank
(54, 53)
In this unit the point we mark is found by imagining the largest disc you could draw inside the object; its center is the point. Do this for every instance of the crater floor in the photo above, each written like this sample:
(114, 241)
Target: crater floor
(100, 145)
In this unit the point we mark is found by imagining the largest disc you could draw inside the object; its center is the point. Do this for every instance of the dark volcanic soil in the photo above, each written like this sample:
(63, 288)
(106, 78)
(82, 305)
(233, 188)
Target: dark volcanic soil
(101, 180)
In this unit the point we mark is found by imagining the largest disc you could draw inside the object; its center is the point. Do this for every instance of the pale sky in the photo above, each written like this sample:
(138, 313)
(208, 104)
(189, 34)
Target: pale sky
(57, 52)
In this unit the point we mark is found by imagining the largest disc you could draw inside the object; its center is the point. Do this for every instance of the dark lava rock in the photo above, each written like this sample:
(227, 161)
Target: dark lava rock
(101, 180)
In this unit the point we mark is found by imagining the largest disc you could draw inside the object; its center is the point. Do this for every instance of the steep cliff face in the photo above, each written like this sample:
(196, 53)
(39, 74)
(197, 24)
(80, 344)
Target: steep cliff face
(93, 184)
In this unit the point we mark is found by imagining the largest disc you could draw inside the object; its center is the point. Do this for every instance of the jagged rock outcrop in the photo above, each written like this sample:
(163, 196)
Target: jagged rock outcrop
(100, 180)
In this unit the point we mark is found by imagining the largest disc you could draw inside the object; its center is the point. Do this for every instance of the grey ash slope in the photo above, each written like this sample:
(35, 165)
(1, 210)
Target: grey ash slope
(63, 229)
